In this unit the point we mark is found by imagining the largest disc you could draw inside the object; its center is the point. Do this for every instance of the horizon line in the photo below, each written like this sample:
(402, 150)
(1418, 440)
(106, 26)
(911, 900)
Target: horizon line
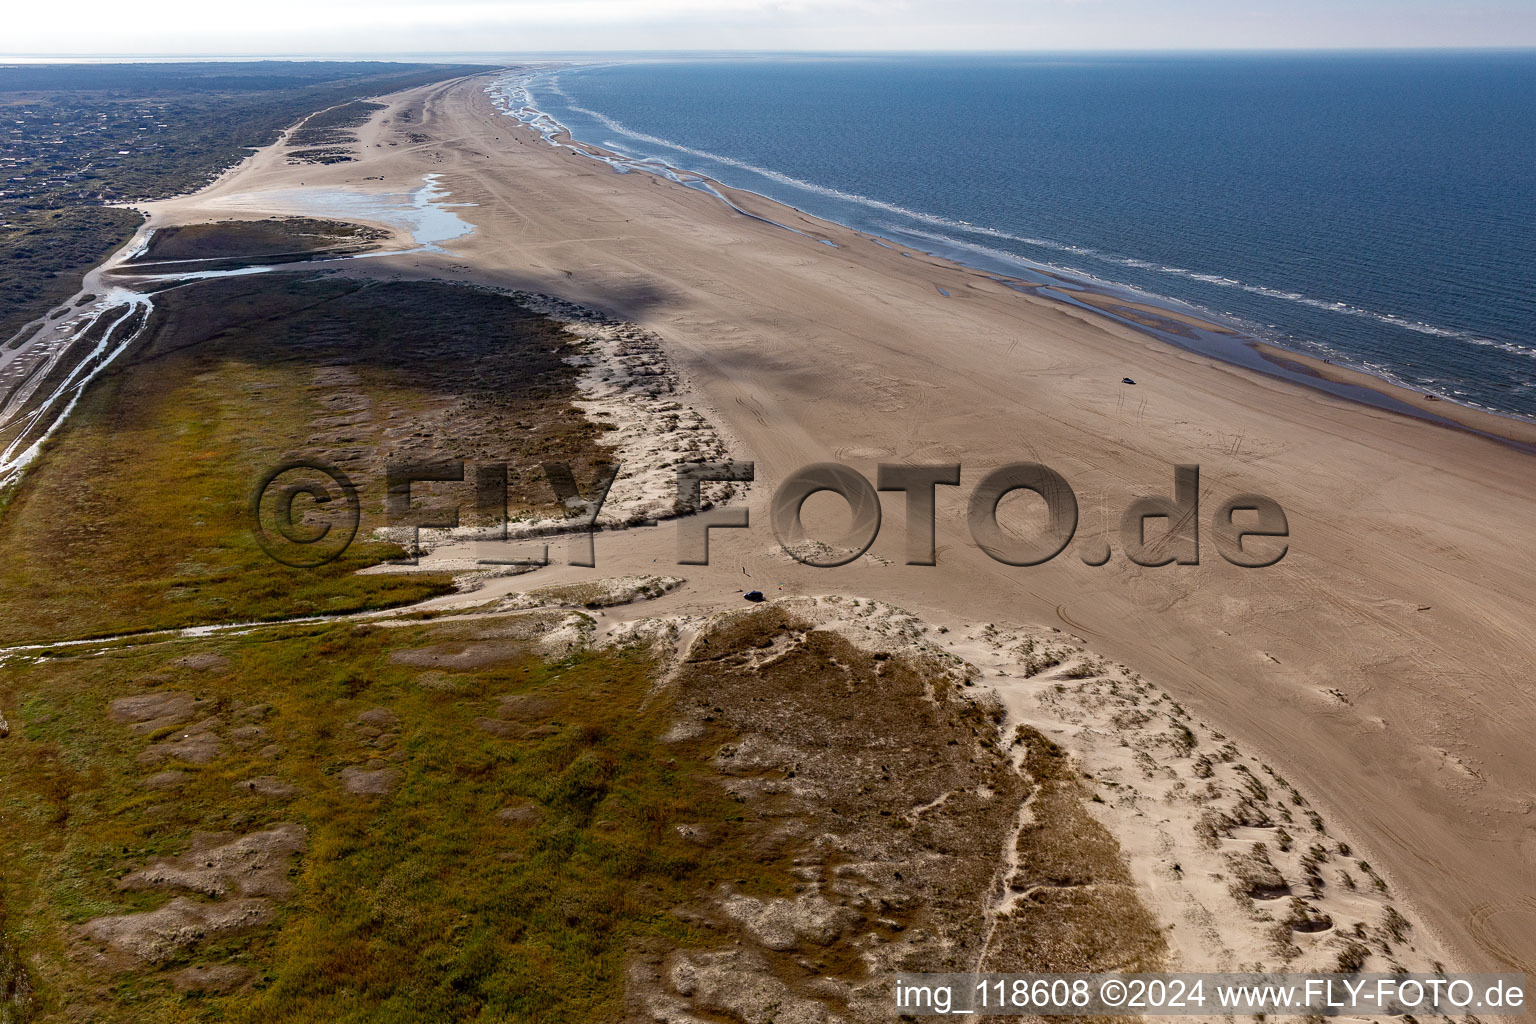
(395, 55)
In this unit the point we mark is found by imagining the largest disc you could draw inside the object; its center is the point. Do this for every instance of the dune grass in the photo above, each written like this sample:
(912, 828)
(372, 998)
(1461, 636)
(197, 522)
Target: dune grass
(223, 240)
(136, 515)
(420, 905)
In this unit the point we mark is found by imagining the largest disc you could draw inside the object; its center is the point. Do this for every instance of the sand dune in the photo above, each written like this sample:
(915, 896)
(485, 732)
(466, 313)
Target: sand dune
(1384, 666)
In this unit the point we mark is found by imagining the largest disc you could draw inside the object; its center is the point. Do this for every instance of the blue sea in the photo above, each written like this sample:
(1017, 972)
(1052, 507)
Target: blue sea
(1375, 209)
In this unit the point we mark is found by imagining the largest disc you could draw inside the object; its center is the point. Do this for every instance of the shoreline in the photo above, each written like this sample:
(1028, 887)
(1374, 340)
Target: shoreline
(1160, 316)
(1149, 315)
(1512, 430)
(1378, 627)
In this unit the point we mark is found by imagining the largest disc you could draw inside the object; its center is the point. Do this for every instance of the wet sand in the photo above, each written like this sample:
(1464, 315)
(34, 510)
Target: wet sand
(1384, 665)
(1516, 431)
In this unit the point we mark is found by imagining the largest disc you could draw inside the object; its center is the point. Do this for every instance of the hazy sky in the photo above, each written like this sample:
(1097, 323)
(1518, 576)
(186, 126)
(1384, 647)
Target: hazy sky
(519, 26)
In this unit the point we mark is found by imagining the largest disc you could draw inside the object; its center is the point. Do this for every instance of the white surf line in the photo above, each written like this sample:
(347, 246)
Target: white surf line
(518, 90)
(1084, 251)
(549, 127)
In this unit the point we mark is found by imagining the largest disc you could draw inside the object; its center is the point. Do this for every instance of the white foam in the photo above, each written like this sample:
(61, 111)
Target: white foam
(531, 111)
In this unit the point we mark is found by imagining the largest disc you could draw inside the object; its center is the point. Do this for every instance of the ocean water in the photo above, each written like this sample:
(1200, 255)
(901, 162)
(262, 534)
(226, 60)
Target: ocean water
(1375, 209)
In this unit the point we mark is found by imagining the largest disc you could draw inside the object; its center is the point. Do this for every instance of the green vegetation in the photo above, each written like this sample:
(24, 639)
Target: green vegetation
(318, 129)
(506, 876)
(497, 824)
(137, 516)
(247, 239)
(323, 138)
(480, 816)
(1079, 910)
(16, 1003)
(44, 255)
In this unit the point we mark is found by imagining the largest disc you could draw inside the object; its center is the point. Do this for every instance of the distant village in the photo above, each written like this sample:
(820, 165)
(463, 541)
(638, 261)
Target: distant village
(64, 152)
(79, 143)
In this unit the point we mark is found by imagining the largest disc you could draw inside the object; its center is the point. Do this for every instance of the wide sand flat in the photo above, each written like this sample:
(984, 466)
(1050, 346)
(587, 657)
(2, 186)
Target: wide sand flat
(1385, 665)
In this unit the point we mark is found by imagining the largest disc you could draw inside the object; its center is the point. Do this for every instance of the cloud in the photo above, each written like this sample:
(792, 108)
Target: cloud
(523, 26)
(297, 18)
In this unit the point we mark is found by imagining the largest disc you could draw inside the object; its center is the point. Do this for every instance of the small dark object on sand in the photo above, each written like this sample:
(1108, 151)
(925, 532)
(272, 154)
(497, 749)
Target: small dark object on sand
(754, 595)
(1126, 380)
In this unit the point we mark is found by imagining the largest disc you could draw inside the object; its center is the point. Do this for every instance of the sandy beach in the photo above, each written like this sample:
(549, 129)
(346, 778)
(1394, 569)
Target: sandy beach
(1382, 666)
